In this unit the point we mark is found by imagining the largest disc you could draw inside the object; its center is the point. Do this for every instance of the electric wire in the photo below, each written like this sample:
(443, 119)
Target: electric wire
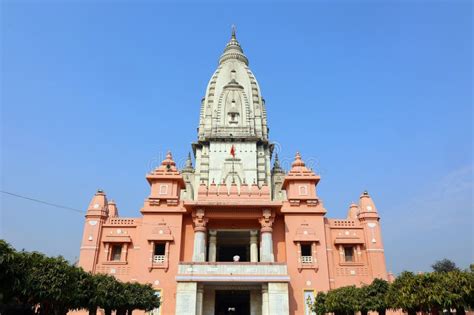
(43, 202)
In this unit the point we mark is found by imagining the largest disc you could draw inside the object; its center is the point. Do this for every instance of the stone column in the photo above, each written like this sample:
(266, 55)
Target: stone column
(256, 302)
(200, 230)
(212, 245)
(266, 247)
(266, 244)
(265, 308)
(199, 299)
(210, 298)
(186, 294)
(278, 302)
(253, 246)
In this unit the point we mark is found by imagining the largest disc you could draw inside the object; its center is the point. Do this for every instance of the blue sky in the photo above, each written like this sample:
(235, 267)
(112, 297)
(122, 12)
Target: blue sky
(375, 95)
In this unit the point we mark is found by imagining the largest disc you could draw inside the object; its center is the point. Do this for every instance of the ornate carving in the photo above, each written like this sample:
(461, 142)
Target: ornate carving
(199, 220)
(266, 221)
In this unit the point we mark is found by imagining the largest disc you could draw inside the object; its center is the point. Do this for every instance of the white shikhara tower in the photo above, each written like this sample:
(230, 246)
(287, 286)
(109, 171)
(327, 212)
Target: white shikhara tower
(232, 115)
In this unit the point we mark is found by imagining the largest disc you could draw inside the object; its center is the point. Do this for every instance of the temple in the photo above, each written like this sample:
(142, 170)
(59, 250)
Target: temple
(234, 234)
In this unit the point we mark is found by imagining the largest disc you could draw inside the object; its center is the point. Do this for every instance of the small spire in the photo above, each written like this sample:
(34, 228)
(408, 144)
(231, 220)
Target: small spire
(277, 161)
(276, 166)
(188, 166)
(233, 50)
(353, 211)
(189, 161)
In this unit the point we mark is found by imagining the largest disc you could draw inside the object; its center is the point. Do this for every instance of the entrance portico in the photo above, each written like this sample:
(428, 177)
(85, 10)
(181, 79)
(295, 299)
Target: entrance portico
(232, 288)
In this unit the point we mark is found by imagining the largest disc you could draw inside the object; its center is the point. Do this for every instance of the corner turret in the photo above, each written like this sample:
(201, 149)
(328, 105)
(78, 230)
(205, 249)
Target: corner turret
(369, 218)
(112, 209)
(98, 205)
(166, 183)
(353, 212)
(367, 208)
(96, 215)
(300, 184)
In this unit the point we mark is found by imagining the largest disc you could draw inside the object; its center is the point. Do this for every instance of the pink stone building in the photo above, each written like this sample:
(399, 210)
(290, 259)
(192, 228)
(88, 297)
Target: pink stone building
(233, 234)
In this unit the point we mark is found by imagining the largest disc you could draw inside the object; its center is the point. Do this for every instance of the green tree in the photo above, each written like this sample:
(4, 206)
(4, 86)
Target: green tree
(456, 289)
(343, 301)
(402, 293)
(444, 265)
(109, 292)
(51, 283)
(86, 293)
(12, 278)
(374, 296)
(147, 299)
(319, 305)
(32, 283)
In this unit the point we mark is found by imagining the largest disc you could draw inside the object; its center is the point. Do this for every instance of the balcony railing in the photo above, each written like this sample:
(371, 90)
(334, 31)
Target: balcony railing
(158, 259)
(306, 259)
(232, 271)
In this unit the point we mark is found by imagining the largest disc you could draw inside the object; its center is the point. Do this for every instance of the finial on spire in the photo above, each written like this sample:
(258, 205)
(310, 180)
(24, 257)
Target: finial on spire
(189, 161)
(298, 161)
(233, 32)
(276, 166)
(277, 161)
(233, 50)
(168, 162)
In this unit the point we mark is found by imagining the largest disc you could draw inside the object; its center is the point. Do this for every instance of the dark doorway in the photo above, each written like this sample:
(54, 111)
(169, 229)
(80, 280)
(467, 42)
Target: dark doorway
(233, 243)
(227, 252)
(230, 302)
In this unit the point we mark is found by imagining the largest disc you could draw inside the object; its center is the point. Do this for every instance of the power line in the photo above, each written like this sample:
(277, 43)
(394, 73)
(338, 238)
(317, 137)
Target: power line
(43, 202)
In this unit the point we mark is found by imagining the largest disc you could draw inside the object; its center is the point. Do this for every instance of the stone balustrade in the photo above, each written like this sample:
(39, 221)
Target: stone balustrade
(232, 271)
(306, 259)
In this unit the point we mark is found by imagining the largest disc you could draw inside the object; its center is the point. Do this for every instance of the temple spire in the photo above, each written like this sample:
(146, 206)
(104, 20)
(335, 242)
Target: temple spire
(276, 166)
(188, 167)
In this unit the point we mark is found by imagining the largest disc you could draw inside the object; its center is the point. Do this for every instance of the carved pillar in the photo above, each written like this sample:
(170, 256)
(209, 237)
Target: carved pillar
(199, 299)
(253, 246)
(199, 235)
(266, 244)
(265, 308)
(212, 245)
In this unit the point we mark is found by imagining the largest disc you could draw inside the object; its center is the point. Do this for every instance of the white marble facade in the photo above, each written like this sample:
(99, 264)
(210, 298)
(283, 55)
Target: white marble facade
(265, 299)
